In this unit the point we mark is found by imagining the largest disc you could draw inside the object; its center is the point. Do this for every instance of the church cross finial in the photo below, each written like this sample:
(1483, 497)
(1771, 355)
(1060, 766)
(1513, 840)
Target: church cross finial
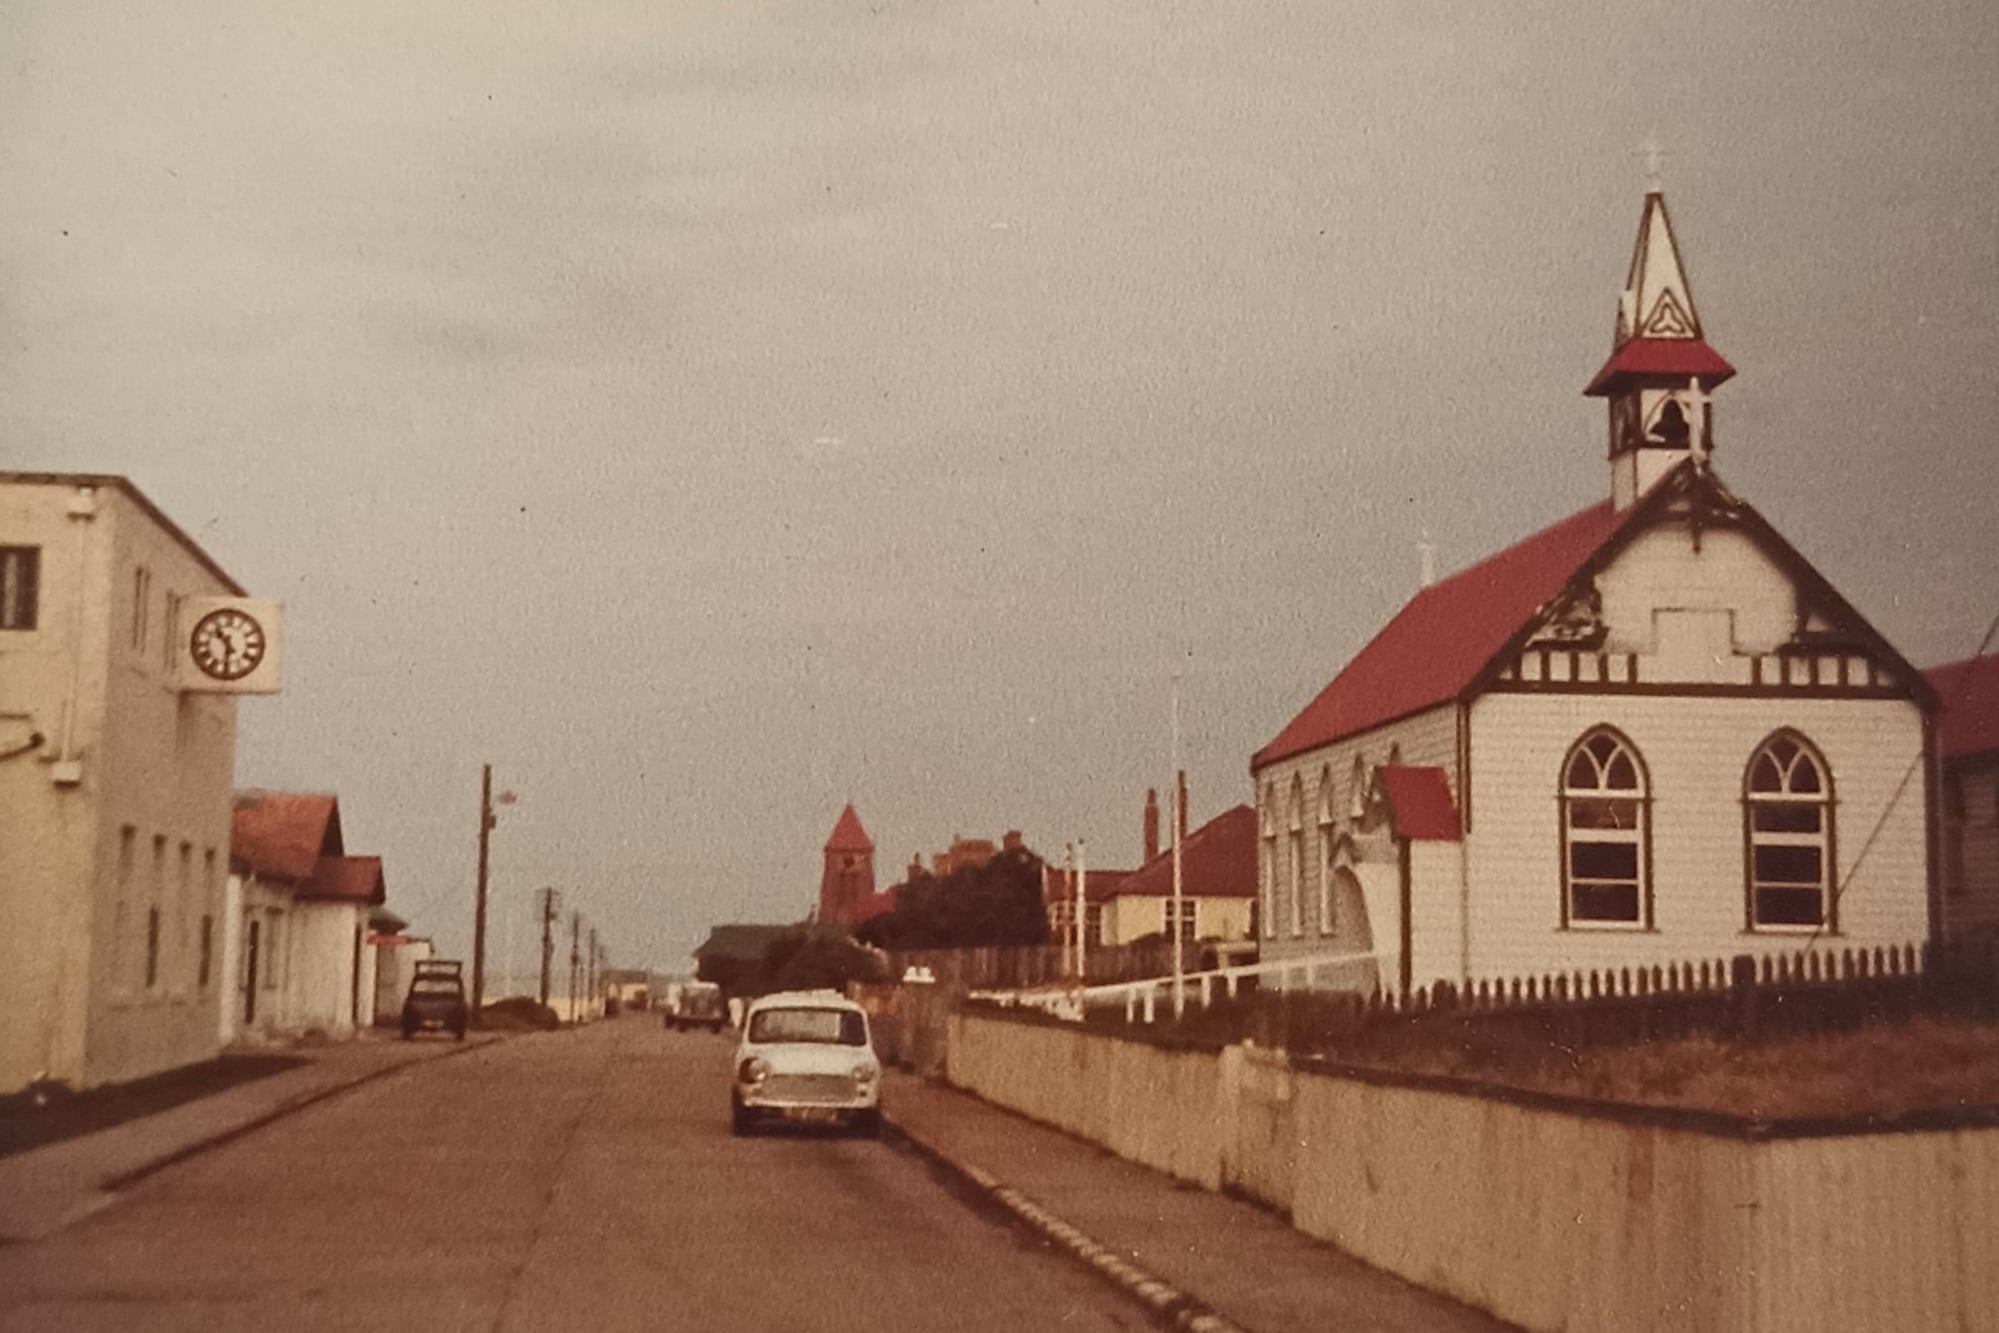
(1654, 154)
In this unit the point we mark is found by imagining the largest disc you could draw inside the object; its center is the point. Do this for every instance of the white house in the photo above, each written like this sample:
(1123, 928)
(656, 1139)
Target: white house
(1647, 734)
(115, 774)
(297, 937)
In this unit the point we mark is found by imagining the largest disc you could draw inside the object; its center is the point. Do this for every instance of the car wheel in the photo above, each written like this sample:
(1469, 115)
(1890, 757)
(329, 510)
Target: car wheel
(458, 1034)
(868, 1124)
(408, 1034)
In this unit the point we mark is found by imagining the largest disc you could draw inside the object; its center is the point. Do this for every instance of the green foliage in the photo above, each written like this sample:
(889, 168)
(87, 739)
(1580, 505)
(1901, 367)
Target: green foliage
(814, 957)
(997, 904)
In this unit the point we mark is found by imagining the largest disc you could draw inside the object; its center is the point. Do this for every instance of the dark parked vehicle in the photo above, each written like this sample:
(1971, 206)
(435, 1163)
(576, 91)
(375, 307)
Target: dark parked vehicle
(698, 1004)
(436, 1001)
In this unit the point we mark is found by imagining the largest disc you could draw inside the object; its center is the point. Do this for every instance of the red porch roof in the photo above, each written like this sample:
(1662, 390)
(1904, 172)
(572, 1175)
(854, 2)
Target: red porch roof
(1419, 804)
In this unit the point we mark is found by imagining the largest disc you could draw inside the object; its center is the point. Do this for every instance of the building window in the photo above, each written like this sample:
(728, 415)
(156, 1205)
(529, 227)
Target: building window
(1295, 849)
(152, 947)
(1606, 849)
(1266, 906)
(142, 596)
(1788, 826)
(1188, 918)
(170, 640)
(1093, 923)
(1327, 829)
(207, 951)
(20, 585)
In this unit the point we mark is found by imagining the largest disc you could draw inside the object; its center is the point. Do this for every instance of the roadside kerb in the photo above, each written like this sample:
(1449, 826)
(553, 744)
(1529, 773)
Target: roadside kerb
(1173, 1307)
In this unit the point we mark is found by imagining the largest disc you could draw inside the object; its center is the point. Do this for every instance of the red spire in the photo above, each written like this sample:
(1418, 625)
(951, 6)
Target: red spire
(848, 835)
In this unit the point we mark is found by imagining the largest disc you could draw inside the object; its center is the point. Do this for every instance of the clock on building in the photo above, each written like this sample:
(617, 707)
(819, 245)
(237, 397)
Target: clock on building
(227, 643)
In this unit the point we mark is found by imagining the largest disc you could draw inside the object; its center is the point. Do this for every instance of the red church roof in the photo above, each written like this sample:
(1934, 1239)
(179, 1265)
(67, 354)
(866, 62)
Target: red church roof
(283, 834)
(1970, 694)
(1217, 860)
(1445, 635)
(848, 835)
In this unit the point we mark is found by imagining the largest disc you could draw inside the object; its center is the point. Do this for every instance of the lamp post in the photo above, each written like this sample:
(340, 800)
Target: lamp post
(487, 800)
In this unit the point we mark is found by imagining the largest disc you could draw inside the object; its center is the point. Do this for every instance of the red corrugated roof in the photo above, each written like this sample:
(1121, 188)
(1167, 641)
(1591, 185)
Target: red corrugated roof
(1970, 694)
(848, 835)
(1445, 635)
(1218, 860)
(348, 879)
(1419, 804)
(283, 834)
(1673, 357)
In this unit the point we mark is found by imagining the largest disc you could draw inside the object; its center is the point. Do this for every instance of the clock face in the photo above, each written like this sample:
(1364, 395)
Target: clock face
(227, 644)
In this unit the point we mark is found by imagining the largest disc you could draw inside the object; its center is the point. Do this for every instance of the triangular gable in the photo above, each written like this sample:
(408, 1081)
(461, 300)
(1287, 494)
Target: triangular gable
(1697, 496)
(283, 835)
(1453, 637)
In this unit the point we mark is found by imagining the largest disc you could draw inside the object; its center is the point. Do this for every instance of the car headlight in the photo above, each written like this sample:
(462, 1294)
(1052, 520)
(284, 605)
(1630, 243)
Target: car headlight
(752, 1070)
(864, 1075)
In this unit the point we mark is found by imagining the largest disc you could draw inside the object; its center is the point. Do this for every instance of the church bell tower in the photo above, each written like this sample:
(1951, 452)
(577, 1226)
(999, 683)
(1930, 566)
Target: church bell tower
(1661, 370)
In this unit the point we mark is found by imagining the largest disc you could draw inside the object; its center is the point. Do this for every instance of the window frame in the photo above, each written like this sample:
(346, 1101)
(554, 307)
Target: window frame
(1295, 839)
(1640, 839)
(20, 589)
(1825, 840)
(1328, 839)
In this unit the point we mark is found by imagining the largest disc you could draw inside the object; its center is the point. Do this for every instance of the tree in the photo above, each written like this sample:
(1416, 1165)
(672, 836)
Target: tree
(992, 905)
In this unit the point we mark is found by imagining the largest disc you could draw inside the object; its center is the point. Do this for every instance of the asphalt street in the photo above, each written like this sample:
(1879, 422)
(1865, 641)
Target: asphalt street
(582, 1180)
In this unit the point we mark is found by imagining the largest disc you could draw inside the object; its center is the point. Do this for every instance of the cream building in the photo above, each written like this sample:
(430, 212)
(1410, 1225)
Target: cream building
(115, 788)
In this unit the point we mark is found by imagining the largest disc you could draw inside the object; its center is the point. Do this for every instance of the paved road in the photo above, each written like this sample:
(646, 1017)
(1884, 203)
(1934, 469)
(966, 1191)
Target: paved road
(584, 1180)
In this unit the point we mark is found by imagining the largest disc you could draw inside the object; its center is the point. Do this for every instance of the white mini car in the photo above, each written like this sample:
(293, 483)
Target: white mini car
(806, 1056)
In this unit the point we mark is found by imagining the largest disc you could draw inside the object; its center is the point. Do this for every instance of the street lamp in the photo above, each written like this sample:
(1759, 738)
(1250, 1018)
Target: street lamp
(487, 819)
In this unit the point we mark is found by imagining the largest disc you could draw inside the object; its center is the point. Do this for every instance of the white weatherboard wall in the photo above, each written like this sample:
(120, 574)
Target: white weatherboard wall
(1696, 759)
(1550, 1218)
(1326, 782)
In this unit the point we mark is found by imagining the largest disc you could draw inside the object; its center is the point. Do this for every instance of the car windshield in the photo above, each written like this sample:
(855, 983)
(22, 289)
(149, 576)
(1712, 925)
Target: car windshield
(832, 1027)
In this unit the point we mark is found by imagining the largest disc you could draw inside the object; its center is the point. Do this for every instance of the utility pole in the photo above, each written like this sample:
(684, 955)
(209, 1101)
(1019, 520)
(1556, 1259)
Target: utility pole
(575, 958)
(1082, 915)
(479, 915)
(594, 989)
(1179, 825)
(487, 819)
(548, 901)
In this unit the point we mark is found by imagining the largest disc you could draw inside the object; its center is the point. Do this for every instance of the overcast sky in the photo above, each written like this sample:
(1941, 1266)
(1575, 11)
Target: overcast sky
(713, 411)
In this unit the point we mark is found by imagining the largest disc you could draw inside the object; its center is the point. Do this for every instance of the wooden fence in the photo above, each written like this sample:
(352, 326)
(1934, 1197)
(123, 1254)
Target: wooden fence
(1747, 998)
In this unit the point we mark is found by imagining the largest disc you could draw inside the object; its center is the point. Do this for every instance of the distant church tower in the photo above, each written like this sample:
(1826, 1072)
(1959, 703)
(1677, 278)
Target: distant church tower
(847, 885)
(1660, 369)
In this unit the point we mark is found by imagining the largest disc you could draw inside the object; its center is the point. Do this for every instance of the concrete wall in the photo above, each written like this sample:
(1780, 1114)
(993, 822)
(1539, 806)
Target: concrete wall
(114, 835)
(1155, 1107)
(1548, 1216)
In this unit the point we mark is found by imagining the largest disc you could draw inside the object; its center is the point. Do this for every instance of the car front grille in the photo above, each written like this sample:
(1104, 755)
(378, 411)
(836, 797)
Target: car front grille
(809, 1088)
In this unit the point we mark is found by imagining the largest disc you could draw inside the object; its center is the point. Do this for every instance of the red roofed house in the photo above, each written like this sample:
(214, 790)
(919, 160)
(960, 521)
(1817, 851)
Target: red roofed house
(1651, 732)
(295, 927)
(847, 894)
(1969, 692)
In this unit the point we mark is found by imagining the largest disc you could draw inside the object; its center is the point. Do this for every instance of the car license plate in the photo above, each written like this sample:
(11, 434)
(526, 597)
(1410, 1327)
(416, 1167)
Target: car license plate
(813, 1115)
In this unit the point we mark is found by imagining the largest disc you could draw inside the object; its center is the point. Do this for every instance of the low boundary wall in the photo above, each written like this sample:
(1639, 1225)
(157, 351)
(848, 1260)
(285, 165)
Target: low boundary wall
(1556, 1214)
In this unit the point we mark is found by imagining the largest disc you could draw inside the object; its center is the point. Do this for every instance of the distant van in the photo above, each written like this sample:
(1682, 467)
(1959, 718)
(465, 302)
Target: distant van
(698, 1004)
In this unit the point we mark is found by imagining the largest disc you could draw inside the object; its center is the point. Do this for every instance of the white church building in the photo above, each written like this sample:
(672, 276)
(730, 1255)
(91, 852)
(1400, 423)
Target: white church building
(1651, 733)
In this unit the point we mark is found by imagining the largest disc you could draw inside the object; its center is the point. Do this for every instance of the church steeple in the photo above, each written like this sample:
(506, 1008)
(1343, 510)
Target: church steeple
(1661, 369)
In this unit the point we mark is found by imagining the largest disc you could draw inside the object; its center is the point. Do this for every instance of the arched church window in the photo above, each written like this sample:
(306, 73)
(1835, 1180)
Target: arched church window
(1606, 843)
(1670, 427)
(1296, 860)
(1328, 828)
(1788, 818)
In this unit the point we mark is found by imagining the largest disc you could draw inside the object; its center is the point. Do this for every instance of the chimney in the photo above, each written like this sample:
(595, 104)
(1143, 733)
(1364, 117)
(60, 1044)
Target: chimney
(1151, 824)
(1181, 779)
(1010, 841)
